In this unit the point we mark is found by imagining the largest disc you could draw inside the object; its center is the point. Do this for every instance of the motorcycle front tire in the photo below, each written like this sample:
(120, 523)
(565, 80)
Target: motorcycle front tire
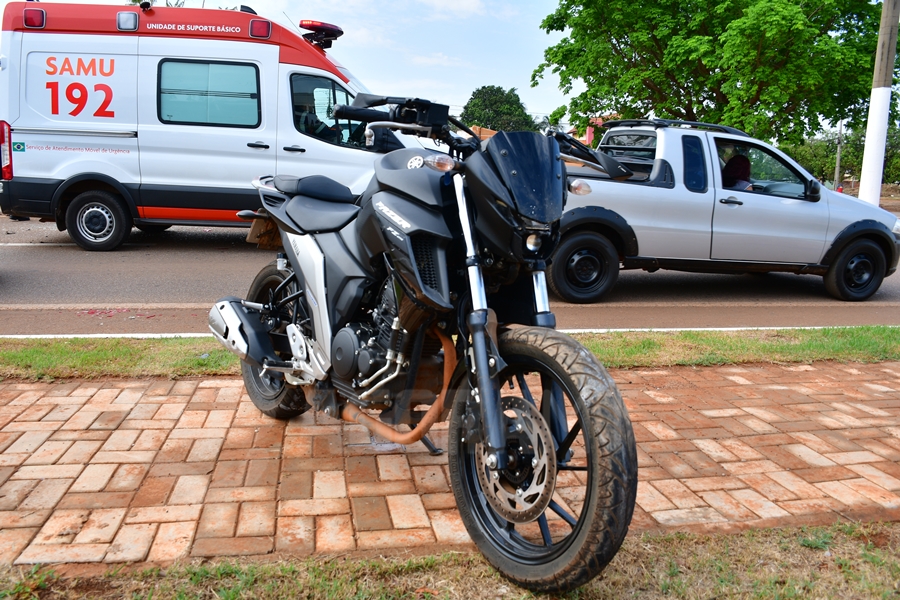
(596, 483)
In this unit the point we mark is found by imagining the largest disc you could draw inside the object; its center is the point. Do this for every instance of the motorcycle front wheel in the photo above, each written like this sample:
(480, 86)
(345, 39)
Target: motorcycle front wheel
(268, 390)
(558, 514)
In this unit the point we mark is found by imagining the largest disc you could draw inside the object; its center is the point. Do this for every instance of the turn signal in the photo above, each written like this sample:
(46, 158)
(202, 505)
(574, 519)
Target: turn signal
(579, 187)
(442, 163)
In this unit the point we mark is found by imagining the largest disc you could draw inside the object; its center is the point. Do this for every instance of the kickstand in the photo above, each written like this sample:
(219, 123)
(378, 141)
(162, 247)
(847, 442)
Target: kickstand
(432, 449)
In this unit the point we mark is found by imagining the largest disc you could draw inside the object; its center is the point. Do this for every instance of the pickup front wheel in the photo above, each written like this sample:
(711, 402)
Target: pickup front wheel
(857, 272)
(585, 268)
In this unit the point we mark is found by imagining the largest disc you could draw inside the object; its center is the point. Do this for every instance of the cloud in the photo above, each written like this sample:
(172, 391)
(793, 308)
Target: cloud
(454, 8)
(438, 59)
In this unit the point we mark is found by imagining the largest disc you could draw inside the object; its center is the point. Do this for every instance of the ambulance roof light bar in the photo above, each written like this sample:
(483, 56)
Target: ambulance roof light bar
(322, 33)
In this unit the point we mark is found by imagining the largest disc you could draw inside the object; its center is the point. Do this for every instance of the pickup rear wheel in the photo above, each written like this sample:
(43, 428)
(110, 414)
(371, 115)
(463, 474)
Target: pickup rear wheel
(857, 272)
(585, 268)
(98, 220)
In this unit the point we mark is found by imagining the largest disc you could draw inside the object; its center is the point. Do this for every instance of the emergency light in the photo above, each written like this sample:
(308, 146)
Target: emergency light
(260, 29)
(35, 18)
(322, 33)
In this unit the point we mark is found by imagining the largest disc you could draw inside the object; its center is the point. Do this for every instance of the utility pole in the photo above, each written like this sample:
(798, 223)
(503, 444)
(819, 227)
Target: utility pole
(880, 104)
(838, 179)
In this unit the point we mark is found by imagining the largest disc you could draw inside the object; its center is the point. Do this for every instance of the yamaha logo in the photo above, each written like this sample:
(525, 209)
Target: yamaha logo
(416, 162)
(403, 223)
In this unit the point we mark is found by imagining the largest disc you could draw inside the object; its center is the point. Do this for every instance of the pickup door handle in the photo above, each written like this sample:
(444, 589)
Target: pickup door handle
(258, 145)
(731, 201)
(294, 149)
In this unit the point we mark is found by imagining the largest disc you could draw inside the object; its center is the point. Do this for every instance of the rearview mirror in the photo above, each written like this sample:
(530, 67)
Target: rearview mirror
(814, 191)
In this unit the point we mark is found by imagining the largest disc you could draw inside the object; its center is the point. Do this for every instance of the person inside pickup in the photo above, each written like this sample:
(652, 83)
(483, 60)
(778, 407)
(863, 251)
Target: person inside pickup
(736, 174)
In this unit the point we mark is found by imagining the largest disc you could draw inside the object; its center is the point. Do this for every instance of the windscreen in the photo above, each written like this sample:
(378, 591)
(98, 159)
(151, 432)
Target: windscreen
(529, 166)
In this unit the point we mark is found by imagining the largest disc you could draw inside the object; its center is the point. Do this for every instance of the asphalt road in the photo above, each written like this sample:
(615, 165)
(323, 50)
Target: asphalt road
(165, 283)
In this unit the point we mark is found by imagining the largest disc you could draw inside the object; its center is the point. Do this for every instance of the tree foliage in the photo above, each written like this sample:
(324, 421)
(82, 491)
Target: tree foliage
(774, 68)
(495, 108)
(818, 155)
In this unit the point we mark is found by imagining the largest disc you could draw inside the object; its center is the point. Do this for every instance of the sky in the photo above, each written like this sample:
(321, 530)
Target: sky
(442, 50)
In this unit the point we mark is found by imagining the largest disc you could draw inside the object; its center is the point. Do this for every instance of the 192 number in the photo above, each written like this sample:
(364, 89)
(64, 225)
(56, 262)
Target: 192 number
(77, 95)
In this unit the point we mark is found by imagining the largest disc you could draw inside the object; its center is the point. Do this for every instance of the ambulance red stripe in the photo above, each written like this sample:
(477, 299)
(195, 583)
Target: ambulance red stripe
(187, 214)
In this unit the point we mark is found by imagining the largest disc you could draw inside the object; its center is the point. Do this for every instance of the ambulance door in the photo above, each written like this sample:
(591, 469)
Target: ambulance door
(310, 140)
(77, 114)
(206, 127)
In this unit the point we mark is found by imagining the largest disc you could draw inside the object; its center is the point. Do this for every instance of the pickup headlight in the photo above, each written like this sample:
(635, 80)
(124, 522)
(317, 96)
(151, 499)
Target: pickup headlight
(896, 228)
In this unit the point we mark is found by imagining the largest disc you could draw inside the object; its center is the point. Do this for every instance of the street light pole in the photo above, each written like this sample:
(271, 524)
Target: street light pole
(880, 104)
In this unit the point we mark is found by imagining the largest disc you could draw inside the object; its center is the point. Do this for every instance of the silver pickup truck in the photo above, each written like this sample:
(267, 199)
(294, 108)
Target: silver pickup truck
(689, 207)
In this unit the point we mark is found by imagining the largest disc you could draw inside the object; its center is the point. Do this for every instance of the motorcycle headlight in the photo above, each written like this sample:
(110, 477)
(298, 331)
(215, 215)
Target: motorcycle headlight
(533, 242)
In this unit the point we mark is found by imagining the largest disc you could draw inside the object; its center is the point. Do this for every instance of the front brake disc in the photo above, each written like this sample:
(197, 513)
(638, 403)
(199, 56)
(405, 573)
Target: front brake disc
(521, 492)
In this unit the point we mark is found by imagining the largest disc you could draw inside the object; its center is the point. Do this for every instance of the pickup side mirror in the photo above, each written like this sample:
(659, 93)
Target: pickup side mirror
(814, 191)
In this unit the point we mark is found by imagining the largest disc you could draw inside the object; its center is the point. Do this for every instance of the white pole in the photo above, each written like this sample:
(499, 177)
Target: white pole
(879, 105)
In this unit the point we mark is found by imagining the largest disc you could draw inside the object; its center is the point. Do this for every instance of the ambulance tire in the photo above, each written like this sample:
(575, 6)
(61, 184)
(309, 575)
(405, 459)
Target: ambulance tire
(97, 220)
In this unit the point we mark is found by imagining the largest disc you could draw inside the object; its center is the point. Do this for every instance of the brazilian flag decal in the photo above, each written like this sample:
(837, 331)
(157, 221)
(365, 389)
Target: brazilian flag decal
(18, 146)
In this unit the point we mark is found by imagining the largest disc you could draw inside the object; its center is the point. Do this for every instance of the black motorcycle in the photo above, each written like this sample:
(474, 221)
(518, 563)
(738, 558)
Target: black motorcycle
(425, 298)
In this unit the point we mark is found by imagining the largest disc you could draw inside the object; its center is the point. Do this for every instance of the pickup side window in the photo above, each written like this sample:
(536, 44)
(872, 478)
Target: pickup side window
(695, 176)
(768, 173)
(220, 94)
(313, 100)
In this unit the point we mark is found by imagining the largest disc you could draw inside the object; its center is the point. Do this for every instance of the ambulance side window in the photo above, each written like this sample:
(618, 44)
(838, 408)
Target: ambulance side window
(313, 100)
(220, 94)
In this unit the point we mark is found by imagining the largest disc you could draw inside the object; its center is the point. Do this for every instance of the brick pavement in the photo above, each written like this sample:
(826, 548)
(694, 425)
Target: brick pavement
(125, 471)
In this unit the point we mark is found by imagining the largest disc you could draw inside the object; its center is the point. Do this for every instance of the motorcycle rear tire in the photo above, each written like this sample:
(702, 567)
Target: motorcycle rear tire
(269, 391)
(597, 482)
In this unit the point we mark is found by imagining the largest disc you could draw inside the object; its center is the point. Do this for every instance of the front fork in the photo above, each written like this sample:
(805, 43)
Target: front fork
(485, 361)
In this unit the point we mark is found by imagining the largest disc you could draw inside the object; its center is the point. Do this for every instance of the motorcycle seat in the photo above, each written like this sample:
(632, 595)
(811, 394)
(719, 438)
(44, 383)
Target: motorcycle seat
(314, 186)
(318, 216)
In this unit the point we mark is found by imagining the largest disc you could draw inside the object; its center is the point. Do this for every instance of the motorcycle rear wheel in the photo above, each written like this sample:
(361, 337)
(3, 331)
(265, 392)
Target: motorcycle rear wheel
(269, 392)
(585, 522)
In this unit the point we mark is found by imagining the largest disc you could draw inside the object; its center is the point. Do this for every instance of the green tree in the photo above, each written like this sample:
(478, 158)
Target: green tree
(774, 68)
(495, 108)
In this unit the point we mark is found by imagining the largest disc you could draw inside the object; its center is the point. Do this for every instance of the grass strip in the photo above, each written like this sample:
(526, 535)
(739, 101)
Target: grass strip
(846, 560)
(91, 358)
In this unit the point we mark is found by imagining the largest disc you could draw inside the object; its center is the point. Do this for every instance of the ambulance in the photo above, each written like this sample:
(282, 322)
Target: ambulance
(120, 116)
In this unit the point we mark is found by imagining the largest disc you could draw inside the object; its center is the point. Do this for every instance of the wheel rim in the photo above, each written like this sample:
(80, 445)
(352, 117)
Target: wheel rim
(96, 222)
(552, 531)
(860, 271)
(585, 269)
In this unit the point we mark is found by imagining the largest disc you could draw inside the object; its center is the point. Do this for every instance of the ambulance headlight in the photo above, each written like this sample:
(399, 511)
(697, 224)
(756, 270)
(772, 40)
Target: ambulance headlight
(896, 228)
(127, 21)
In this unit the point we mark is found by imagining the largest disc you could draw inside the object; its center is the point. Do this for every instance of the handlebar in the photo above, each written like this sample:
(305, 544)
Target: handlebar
(366, 115)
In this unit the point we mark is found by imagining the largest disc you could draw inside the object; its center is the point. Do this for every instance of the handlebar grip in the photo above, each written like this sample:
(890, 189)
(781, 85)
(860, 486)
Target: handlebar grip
(367, 115)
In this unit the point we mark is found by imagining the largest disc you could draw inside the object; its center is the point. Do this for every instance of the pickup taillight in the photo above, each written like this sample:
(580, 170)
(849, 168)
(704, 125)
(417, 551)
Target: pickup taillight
(6, 151)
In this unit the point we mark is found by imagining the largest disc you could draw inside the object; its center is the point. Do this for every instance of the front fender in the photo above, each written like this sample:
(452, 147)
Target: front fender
(105, 179)
(597, 218)
(868, 228)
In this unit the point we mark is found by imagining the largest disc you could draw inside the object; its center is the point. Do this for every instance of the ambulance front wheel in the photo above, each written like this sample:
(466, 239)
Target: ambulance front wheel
(97, 220)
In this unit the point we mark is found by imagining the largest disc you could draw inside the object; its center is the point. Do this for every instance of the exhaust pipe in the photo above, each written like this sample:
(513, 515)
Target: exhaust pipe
(240, 330)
